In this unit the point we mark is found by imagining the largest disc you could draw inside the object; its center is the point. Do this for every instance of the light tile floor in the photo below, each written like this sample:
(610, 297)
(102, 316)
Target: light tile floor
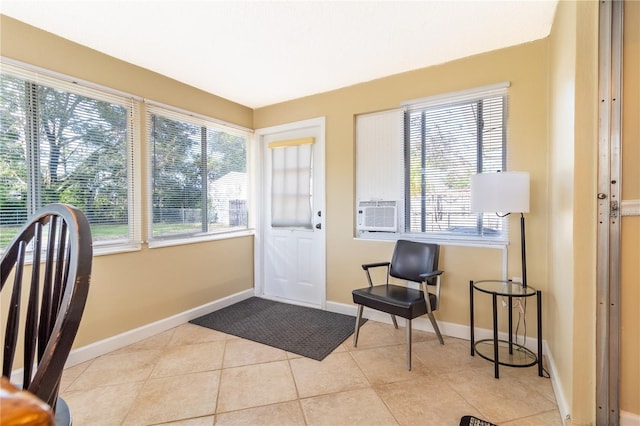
(192, 375)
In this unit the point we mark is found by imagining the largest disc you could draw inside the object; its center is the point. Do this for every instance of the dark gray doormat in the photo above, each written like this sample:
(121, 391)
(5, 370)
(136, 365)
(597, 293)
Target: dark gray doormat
(305, 331)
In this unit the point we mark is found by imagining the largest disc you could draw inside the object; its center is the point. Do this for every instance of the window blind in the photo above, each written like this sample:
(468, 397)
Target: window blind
(445, 145)
(198, 175)
(67, 143)
(424, 155)
(379, 156)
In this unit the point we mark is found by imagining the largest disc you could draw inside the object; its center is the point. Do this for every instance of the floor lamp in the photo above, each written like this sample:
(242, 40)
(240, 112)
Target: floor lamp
(503, 193)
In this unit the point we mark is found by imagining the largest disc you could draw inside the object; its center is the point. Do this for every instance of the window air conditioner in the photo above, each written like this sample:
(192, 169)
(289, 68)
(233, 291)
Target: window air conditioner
(381, 216)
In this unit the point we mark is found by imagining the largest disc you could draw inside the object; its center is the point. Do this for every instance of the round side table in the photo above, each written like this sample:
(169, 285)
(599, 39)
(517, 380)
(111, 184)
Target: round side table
(500, 351)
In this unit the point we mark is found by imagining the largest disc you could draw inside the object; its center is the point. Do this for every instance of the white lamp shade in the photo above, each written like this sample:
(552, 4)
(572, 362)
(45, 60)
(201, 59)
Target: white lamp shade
(505, 192)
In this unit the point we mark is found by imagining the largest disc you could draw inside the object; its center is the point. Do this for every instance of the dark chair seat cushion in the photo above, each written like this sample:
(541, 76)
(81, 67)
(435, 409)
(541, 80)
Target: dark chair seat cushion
(397, 300)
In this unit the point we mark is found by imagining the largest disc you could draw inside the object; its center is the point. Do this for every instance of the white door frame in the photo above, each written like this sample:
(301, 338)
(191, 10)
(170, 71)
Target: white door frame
(259, 242)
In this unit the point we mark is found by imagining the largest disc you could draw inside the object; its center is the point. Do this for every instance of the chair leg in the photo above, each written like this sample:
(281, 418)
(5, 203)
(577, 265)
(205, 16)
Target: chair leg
(435, 327)
(358, 318)
(408, 326)
(395, 323)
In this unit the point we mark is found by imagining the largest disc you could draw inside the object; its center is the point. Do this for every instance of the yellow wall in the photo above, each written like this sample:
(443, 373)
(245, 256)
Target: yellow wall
(134, 289)
(572, 178)
(585, 212)
(630, 231)
(552, 131)
(560, 304)
(525, 67)
(572, 214)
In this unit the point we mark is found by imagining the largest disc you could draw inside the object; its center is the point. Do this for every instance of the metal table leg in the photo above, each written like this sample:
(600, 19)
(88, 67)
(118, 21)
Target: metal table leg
(471, 313)
(495, 335)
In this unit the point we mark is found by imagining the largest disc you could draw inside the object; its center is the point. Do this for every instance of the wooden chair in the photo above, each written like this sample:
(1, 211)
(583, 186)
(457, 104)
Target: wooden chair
(20, 408)
(47, 298)
(414, 262)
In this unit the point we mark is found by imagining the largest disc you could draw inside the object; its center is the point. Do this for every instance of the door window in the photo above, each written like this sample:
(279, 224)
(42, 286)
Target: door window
(291, 193)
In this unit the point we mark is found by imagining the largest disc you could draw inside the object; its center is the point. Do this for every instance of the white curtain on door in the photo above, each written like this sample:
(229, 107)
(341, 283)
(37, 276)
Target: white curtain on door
(291, 167)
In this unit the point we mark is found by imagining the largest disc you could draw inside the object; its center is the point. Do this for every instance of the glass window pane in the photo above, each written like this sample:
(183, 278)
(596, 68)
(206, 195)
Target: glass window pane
(59, 146)
(13, 163)
(291, 186)
(227, 180)
(177, 180)
(198, 174)
(446, 145)
(83, 151)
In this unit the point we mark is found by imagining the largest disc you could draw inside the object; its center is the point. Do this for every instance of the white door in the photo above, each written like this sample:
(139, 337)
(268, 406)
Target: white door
(290, 237)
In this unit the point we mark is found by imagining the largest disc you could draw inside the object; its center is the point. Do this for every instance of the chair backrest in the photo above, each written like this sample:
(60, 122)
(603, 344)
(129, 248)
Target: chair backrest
(46, 301)
(410, 259)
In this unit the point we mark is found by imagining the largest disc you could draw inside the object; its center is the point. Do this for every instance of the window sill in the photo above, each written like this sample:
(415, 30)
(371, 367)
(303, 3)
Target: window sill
(158, 243)
(98, 250)
(441, 240)
(106, 249)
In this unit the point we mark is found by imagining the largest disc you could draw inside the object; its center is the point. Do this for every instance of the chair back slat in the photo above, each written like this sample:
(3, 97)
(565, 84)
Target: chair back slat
(47, 288)
(13, 315)
(59, 283)
(31, 322)
(65, 273)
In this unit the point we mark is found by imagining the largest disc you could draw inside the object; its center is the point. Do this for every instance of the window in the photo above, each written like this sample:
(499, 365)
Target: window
(291, 171)
(444, 145)
(62, 142)
(198, 176)
(443, 141)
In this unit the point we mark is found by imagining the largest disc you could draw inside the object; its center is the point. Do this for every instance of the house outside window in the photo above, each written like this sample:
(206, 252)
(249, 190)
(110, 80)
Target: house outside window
(198, 177)
(62, 142)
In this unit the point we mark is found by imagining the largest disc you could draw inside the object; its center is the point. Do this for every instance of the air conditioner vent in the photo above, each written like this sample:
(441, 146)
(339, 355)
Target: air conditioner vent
(381, 216)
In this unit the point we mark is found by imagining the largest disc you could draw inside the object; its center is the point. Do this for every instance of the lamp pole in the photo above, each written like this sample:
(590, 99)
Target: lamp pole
(524, 255)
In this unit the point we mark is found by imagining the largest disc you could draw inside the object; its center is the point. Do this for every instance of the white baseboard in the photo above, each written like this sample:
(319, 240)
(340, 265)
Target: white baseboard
(561, 400)
(629, 419)
(85, 353)
(110, 344)
(446, 328)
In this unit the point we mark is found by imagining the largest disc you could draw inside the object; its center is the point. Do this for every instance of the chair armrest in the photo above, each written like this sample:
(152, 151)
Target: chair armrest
(425, 282)
(428, 275)
(366, 266)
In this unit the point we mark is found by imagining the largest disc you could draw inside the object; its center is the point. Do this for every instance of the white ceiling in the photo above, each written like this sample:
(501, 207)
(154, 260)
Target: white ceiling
(259, 53)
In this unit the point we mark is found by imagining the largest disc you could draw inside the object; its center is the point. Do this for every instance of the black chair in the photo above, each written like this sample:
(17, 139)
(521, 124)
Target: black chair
(57, 240)
(411, 261)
